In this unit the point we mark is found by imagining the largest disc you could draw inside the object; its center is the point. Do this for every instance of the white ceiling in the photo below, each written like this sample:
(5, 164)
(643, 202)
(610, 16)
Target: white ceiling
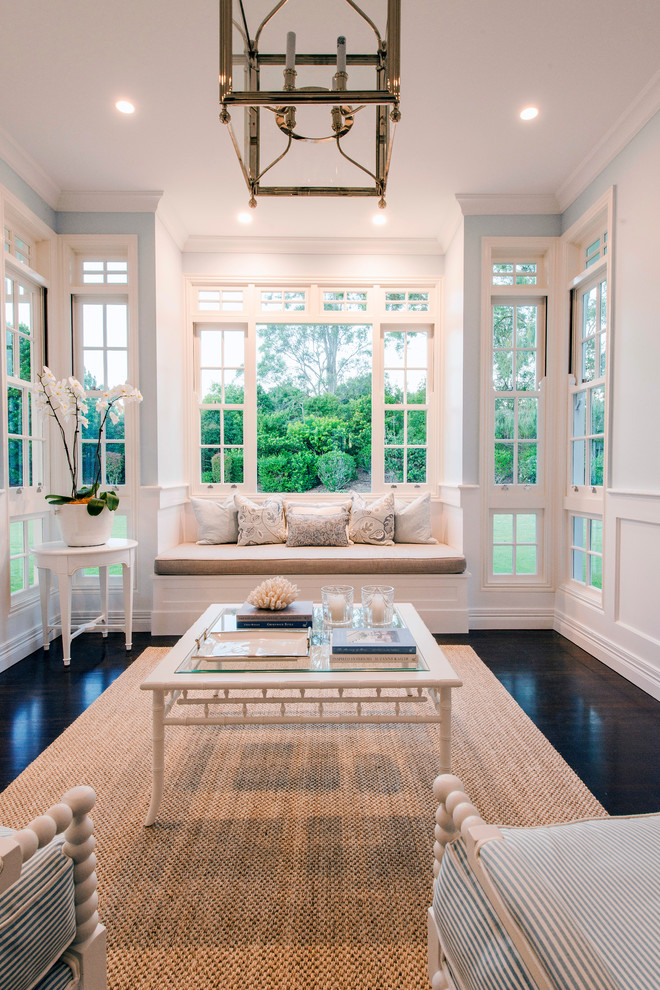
(468, 67)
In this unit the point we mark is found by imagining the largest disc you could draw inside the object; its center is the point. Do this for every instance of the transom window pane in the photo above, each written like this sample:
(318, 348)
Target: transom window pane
(515, 273)
(220, 300)
(406, 302)
(101, 271)
(287, 301)
(345, 301)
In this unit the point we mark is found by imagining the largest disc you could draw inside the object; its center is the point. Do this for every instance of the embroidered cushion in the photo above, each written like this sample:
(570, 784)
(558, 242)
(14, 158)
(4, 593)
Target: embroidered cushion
(327, 530)
(259, 524)
(412, 520)
(217, 522)
(372, 522)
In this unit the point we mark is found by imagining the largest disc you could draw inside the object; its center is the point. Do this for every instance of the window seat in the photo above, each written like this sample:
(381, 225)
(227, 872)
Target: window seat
(189, 577)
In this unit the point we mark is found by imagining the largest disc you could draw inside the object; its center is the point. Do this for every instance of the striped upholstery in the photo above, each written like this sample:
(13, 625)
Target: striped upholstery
(59, 977)
(585, 894)
(479, 953)
(37, 917)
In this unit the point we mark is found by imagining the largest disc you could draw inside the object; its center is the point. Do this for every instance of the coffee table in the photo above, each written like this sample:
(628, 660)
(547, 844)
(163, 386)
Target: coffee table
(314, 690)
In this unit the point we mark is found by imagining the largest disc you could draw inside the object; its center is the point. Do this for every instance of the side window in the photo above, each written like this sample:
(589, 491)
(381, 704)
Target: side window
(23, 334)
(220, 389)
(517, 361)
(103, 330)
(589, 355)
(406, 359)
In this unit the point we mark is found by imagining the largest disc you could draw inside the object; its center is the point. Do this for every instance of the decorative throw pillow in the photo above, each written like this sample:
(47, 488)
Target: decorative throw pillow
(372, 522)
(315, 508)
(412, 520)
(217, 522)
(315, 530)
(259, 524)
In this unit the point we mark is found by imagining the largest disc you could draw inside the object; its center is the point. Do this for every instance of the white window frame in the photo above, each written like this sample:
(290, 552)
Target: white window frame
(79, 248)
(514, 579)
(586, 589)
(253, 315)
(517, 498)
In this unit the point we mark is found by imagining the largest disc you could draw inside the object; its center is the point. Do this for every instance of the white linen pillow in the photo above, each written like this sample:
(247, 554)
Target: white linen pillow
(217, 522)
(372, 522)
(317, 530)
(412, 520)
(315, 508)
(260, 524)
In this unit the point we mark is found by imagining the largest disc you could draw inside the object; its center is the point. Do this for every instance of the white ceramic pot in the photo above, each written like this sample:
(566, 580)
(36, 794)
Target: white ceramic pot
(79, 529)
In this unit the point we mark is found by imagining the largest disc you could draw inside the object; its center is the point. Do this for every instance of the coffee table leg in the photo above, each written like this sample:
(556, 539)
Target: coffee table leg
(445, 730)
(158, 755)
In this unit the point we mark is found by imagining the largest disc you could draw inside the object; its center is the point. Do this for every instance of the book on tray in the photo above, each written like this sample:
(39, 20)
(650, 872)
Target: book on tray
(380, 641)
(297, 615)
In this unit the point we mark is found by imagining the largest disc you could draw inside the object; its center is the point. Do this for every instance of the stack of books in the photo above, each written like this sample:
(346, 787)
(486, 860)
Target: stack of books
(378, 645)
(297, 615)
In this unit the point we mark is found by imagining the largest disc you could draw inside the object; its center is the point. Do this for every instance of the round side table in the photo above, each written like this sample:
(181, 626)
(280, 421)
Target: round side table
(63, 561)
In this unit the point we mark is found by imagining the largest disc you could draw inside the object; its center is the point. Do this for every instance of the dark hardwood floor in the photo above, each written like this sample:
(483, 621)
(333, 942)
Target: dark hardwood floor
(606, 729)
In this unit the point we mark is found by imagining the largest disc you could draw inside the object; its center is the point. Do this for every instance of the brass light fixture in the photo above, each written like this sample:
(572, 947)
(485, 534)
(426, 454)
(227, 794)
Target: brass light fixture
(250, 66)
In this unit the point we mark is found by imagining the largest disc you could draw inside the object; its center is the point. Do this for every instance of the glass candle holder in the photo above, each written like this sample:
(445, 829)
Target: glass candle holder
(337, 601)
(377, 604)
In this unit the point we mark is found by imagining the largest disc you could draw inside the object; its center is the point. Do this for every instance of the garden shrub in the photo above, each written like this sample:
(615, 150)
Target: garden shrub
(336, 469)
(287, 472)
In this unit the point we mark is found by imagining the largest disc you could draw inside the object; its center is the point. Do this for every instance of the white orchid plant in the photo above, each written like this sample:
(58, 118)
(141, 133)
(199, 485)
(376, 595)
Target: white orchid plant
(66, 401)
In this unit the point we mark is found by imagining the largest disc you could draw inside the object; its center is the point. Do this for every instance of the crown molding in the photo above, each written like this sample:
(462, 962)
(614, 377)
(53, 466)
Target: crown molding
(630, 123)
(27, 168)
(172, 223)
(109, 201)
(505, 204)
(313, 245)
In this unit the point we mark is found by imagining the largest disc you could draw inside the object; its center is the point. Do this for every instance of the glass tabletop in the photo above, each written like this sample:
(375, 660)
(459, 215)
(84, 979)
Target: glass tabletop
(223, 648)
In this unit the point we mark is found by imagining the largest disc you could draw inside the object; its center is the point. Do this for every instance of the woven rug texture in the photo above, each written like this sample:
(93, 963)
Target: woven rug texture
(285, 857)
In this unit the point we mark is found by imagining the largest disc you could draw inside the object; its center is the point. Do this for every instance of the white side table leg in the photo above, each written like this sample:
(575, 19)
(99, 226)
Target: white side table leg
(127, 575)
(103, 584)
(44, 595)
(64, 582)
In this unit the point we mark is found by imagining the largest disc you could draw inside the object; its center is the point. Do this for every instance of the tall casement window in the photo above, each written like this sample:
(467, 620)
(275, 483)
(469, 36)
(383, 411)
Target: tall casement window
(311, 388)
(104, 302)
(23, 319)
(518, 357)
(514, 352)
(589, 360)
(587, 395)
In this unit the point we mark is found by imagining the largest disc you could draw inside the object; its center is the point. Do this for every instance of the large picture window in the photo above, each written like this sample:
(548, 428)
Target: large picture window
(298, 404)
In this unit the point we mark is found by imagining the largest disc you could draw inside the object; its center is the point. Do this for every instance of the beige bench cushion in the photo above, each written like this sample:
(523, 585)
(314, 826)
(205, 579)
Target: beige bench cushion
(276, 558)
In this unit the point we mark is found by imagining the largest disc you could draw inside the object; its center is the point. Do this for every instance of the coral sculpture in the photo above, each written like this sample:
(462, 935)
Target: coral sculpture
(274, 593)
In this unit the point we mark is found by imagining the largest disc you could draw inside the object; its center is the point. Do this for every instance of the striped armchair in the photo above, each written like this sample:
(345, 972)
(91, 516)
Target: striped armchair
(50, 936)
(543, 908)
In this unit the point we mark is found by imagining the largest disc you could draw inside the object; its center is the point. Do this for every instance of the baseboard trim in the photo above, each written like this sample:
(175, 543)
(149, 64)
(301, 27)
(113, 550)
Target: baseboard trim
(634, 668)
(517, 618)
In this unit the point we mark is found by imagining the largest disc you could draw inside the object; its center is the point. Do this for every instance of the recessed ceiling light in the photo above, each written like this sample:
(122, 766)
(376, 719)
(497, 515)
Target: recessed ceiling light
(529, 113)
(124, 106)
(379, 219)
(245, 218)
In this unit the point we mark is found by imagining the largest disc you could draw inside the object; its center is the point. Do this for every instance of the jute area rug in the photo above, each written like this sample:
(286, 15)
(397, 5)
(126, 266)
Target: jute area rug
(284, 856)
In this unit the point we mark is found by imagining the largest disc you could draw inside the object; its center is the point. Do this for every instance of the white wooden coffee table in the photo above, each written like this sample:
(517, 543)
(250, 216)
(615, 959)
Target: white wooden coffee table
(312, 691)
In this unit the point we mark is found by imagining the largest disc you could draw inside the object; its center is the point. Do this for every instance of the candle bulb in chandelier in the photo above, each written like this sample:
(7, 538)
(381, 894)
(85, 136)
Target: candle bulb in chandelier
(290, 50)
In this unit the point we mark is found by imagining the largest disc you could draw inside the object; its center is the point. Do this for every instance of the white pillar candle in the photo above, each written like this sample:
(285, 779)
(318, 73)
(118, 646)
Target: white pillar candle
(290, 49)
(378, 608)
(341, 53)
(336, 607)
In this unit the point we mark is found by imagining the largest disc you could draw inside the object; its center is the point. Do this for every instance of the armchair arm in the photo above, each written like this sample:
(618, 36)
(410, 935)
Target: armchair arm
(70, 816)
